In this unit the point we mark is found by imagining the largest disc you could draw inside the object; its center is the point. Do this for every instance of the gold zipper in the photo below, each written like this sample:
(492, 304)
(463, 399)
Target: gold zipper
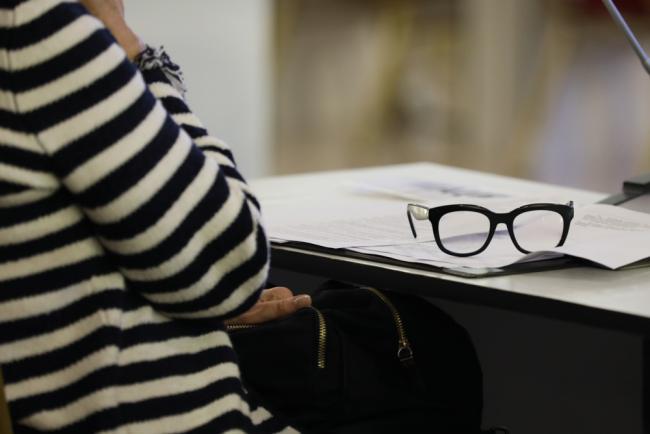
(322, 335)
(322, 339)
(404, 350)
(237, 326)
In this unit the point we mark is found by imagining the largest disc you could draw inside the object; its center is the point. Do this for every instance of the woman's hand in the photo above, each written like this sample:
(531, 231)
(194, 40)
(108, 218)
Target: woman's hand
(274, 303)
(111, 13)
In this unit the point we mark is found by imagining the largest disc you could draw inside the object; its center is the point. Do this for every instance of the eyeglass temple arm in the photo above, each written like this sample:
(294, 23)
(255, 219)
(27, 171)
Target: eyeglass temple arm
(419, 212)
(408, 214)
(620, 21)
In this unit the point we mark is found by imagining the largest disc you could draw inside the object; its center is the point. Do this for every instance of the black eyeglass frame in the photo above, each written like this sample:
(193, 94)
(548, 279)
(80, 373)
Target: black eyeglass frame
(420, 212)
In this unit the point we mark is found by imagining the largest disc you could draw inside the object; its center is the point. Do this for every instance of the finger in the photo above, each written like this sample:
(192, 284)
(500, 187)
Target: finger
(276, 293)
(276, 309)
(287, 306)
(259, 312)
(266, 295)
(281, 292)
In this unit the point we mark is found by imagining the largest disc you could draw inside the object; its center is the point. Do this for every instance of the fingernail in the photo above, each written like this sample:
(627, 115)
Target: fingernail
(303, 300)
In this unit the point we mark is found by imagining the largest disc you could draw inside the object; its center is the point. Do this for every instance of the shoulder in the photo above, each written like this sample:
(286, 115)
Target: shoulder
(34, 30)
(19, 13)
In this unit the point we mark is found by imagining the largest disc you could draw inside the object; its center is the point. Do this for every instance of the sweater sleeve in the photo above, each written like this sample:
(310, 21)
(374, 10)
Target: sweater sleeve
(175, 104)
(183, 228)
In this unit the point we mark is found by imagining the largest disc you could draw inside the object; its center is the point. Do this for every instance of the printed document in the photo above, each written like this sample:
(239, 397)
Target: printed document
(604, 234)
(374, 222)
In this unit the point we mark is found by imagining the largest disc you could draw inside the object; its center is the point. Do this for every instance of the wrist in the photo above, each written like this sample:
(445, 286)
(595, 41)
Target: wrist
(134, 47)
(131, 44)
(127, 38)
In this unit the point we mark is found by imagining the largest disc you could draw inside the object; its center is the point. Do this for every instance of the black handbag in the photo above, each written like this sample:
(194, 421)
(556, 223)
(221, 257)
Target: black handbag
(364, 361)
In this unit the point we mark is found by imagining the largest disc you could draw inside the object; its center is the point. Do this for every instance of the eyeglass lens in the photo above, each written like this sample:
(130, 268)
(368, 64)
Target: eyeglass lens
(463, 232)
(538, 230)
(466, 232)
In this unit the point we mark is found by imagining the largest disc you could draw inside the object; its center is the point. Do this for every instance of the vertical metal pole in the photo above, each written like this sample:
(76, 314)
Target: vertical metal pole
(629, 34)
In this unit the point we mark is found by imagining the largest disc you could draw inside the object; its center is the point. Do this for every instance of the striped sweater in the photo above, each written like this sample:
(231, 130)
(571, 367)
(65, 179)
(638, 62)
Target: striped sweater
(127, 235)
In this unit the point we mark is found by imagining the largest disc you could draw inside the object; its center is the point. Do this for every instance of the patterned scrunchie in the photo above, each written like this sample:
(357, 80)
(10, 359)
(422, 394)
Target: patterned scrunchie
(152, 58)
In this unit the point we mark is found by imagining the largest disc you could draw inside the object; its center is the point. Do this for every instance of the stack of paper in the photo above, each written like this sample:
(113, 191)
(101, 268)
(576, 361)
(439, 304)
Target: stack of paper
(372, 220)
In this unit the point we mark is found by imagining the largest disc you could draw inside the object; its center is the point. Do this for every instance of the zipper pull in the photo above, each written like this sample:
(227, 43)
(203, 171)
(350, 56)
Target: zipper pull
(405, 354)
(404, 350)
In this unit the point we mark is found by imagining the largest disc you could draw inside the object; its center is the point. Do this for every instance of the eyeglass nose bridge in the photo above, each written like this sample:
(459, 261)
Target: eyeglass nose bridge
(506, 219)
(496, 219)
(501, 217)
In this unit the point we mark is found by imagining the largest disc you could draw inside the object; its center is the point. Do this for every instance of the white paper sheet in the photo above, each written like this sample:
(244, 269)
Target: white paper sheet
(422, 190)
(607, 235)
(500, 253)
(343, 223)
(369, 215)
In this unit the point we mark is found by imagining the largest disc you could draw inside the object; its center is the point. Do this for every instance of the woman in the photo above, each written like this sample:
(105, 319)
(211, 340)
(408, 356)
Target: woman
(127, 236)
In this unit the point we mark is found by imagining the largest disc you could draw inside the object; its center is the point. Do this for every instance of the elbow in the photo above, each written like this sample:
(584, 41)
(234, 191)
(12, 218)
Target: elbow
(227, 285)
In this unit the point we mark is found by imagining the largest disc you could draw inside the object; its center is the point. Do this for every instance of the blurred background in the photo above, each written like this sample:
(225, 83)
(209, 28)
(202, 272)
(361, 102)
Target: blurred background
(540, 89)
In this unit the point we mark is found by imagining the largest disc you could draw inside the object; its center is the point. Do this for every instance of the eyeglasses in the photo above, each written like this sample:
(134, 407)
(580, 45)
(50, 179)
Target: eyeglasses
(466, 230)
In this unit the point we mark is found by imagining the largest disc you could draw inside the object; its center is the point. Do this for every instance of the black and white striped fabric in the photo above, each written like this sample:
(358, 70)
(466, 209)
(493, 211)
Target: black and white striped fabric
(126, 236)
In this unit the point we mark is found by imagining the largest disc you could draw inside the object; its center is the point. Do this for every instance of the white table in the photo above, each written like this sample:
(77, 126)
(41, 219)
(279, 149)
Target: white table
(613, 300)
(618, 298)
